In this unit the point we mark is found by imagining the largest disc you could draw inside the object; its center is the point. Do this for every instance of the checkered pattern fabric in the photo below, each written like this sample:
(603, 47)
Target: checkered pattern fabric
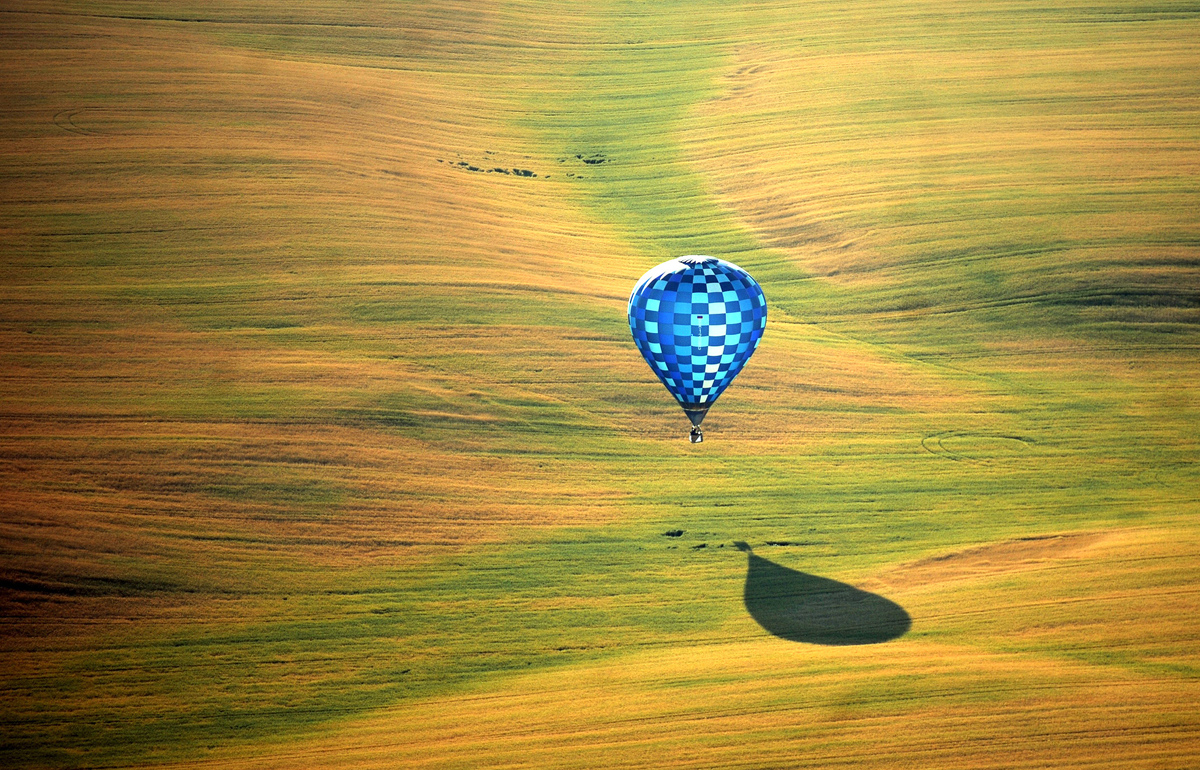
(697, 320)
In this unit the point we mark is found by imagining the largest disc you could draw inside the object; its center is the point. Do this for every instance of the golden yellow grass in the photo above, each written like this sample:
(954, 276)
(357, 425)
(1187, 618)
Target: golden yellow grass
(838, 155)
(321, 448)
(757, 701)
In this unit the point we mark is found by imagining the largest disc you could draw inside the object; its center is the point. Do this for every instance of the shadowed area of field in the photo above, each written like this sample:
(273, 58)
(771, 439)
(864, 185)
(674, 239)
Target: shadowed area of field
(806, 608)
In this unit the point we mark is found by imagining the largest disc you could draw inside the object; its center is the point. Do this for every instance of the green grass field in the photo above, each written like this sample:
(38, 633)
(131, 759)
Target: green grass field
(323, 441)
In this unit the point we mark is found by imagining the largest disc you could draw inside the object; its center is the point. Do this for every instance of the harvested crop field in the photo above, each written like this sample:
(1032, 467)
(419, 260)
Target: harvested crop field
(324, 442)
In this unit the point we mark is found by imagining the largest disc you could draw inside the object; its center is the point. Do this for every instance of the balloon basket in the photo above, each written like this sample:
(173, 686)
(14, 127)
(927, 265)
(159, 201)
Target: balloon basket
(696, 435)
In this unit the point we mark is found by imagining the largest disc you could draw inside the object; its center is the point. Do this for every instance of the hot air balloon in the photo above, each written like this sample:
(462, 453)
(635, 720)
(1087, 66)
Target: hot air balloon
(697, 320)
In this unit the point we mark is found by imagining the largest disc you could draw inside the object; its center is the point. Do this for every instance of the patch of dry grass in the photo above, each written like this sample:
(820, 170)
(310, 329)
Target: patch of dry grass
(322, 440)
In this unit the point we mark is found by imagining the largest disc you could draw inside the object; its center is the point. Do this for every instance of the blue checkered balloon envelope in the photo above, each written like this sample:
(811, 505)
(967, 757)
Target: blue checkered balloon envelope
(697, 320)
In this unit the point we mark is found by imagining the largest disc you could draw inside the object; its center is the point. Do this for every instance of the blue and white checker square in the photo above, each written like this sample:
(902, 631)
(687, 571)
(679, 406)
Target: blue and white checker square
(697, 320)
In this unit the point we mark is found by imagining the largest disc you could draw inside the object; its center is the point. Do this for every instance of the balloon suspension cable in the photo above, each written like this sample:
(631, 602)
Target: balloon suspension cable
(697, 435)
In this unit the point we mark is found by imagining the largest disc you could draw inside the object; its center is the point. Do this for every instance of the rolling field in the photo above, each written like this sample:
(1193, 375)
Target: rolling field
(324, 443)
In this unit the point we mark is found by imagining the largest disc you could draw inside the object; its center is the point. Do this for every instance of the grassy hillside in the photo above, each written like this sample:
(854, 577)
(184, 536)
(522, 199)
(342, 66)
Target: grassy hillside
(324, 442)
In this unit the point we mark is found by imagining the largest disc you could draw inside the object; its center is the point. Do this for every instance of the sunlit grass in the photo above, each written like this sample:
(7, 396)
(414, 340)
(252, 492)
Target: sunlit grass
(324, 441)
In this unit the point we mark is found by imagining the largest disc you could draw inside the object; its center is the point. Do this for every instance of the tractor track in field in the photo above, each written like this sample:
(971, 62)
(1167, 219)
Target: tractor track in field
(974, 448)
(65, 119)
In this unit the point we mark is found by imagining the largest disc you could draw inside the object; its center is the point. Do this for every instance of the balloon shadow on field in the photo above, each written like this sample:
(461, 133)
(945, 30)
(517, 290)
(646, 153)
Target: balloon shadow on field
(805, 608)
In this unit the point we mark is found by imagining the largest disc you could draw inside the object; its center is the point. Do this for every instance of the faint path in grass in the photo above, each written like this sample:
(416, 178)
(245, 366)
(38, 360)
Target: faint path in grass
(977, 448)
(66, 121)
(807, 608)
